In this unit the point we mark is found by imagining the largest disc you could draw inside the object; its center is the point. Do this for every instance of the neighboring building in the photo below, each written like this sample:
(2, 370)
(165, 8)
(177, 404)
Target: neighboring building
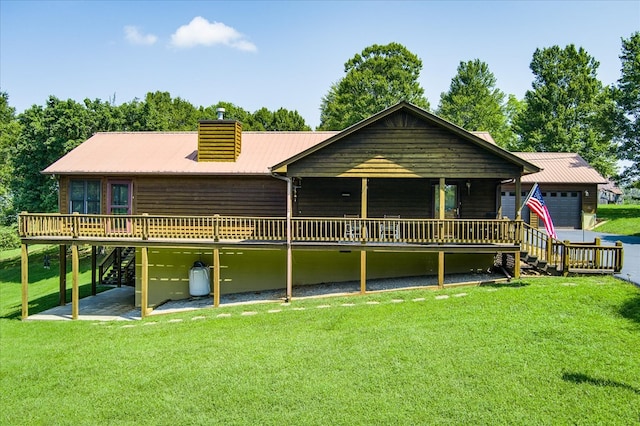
(609, 193)
(403, 193)
(569, 186)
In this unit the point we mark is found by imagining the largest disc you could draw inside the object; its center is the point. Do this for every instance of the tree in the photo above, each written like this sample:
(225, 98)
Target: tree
(627, 97)
(47, 134)
(568, 109)
(474, 103)
(9, 133)
(376, 79)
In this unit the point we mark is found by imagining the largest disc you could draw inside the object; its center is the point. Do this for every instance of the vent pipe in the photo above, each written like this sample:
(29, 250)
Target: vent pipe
(220, 112)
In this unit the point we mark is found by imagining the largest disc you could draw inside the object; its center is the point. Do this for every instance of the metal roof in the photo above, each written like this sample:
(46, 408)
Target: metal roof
(176, 153)
(560, 167)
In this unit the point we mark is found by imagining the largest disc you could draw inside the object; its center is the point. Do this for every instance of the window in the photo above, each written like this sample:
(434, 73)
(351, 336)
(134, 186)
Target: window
(84, 196)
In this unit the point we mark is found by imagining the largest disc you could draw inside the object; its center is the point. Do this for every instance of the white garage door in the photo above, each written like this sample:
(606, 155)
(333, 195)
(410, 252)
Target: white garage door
(564, 207)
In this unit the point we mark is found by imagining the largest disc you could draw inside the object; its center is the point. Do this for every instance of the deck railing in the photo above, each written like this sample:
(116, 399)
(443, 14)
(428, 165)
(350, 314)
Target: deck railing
(568, 256)
(268, 229)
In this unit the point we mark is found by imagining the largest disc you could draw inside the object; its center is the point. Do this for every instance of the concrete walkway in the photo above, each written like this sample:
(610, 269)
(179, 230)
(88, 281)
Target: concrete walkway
(114, 304)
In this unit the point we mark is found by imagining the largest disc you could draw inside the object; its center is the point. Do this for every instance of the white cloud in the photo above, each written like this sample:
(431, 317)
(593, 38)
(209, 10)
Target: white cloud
(134, 36)
(202, 32)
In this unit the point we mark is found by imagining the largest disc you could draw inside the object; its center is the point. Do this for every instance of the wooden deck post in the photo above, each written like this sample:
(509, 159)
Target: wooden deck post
(94, 261)
(24, 265)
(518, 198)
(216, 277)
(363, 272)
(441, 206)
(440, 269)
(144, 282)
(75, 291)
(597, 260)
(289, 237)
(363, 206)
(516, 265)
(63, 274)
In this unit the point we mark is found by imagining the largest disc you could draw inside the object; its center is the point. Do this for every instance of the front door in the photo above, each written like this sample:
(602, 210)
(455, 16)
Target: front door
(450, 201)
(119, 203)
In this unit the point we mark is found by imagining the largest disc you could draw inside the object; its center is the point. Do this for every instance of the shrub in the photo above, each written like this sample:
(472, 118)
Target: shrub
(9, 237)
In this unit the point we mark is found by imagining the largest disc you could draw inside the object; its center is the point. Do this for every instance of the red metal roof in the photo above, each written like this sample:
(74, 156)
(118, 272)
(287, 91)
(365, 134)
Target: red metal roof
(560, 167)
(176, 153)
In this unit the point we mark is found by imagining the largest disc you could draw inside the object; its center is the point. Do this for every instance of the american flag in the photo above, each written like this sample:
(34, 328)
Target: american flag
(536, 203)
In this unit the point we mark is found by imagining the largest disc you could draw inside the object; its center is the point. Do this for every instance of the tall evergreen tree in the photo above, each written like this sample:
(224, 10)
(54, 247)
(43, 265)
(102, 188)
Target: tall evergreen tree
(376, 79)
(568, 109)
(474, 103)
(627, 96)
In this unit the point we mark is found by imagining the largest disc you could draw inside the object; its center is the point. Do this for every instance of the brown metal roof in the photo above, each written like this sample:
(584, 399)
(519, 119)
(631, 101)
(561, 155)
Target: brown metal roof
(560, 167)
(176, 153)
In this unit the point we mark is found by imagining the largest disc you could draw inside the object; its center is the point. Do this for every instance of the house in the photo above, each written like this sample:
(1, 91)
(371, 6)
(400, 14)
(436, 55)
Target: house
(402, 193)
(609, 193)
(569, 186)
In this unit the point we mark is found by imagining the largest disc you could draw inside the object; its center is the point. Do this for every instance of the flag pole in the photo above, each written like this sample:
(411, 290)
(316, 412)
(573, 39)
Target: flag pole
(533, 188)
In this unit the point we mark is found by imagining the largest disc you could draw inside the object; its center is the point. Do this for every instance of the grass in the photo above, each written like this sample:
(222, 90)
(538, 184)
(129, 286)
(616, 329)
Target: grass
(622, 219)
(536, 351)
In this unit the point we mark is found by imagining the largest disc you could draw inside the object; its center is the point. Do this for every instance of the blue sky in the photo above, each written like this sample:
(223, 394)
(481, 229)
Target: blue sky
(282, 54)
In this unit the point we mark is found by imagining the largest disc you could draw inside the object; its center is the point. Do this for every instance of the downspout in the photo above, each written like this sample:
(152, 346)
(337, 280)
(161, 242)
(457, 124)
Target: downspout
(289, 216)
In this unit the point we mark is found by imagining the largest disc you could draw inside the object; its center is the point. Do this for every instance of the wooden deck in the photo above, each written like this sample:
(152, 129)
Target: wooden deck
(188, 230)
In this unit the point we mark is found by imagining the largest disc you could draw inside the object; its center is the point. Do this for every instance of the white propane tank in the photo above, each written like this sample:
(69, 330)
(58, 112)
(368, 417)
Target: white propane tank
(199, 280)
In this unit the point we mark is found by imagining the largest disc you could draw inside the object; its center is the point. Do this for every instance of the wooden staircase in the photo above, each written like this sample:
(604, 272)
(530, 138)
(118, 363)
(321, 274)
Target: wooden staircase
(542, 254)
(118, 267)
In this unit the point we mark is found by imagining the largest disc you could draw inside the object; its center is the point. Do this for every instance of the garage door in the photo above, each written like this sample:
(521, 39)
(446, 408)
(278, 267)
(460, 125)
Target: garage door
(564, 207)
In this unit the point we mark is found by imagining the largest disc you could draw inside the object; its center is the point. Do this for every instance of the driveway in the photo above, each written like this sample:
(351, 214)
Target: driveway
(631, 245)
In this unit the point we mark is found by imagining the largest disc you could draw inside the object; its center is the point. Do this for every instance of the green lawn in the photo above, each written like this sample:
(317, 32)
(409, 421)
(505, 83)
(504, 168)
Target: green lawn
(623, 219)
(537, 351)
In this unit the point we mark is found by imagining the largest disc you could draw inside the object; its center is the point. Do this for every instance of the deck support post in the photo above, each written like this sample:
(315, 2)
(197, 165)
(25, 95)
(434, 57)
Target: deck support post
(516, 265)
(75, 291)
(363, 272)
(518, 198)
(144, 282)
(63, 274)
(216, 277)
(24, 265)
(441, 269)
(441, 206)
(94, 261)
(289, 237)
(365, 190)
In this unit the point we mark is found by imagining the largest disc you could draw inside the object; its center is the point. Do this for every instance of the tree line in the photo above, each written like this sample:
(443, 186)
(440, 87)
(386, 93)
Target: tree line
(567, 110)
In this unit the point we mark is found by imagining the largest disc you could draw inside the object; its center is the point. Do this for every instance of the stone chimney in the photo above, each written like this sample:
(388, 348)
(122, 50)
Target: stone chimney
(219, 140)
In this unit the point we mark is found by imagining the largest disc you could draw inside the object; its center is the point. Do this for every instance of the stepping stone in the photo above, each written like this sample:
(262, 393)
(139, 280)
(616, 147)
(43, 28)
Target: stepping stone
(460, 294)
(150, 323)
(569, 284)
(197, 318)
(442, 297)
(419, 299)
(348, 304)
(373, 302)
(176, 320)
(397, 300)
(128, 326)
(274, 311)
(298, 309)
(248, 313)
(223, 315)
(492, 289)
(323, 306)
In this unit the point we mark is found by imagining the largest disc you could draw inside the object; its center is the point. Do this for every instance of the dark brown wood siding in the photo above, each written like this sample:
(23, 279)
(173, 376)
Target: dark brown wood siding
(322, 197)
(403, 146)
(240, 196)
(480, 199)
(407, 198)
